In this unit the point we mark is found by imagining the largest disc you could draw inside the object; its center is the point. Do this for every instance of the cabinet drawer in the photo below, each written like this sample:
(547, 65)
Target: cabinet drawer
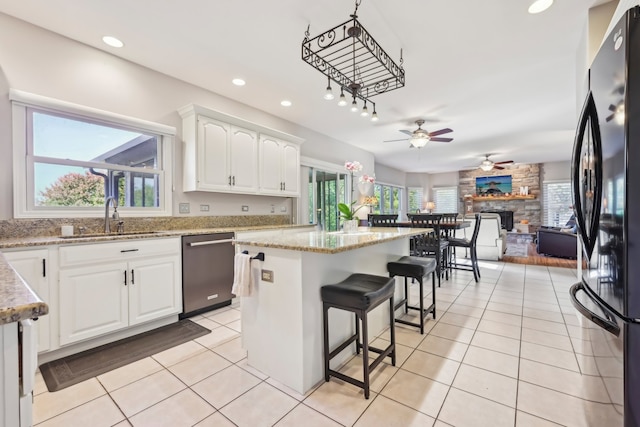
(117, 251)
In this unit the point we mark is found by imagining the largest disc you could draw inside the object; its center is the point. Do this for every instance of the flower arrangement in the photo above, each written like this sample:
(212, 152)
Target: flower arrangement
(348, 212)
(353, 167)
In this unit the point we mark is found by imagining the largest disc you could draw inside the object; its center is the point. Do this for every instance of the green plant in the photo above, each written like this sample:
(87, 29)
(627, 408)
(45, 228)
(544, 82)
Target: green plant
(348, 213)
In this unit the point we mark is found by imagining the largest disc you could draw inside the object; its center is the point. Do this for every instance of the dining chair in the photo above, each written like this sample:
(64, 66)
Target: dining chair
(469, 244)
(431, 243)
(382, 220)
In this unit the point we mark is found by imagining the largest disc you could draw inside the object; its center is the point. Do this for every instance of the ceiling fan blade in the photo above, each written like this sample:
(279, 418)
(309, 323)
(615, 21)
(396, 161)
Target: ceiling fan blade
(441, 139)
(495, 166)
(406, 132)
(395, 140)
(612, 107)
(609, 118)
(440, 132)
(503, 163)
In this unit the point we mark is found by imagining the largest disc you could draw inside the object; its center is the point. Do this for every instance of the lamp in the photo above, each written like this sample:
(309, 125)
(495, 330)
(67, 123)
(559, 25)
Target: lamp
(430, 206)
(349, 55)
(539, 6)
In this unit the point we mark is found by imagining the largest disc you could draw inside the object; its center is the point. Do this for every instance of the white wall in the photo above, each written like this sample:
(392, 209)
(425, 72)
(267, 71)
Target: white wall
(37, 61)
(555, 171)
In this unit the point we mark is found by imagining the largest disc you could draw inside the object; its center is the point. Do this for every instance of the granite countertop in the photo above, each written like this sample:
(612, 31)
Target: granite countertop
(23, 242)
(329, 242)
(17, 300)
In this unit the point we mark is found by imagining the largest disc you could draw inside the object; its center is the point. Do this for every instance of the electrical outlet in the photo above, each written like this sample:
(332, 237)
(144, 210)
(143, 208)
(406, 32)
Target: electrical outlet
(273, 208)
(267, 275)
(184, 208)
(245, 208)
(204, 208)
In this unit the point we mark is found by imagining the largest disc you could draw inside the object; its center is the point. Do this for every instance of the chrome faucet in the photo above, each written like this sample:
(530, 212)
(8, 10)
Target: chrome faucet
(116, 215)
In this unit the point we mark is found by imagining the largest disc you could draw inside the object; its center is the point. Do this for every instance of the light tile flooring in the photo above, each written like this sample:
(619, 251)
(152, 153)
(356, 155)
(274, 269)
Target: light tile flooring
(508, 351)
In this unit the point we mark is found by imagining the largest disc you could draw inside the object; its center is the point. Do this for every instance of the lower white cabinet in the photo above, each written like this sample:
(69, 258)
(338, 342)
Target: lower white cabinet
(35, 269)
(106, 287)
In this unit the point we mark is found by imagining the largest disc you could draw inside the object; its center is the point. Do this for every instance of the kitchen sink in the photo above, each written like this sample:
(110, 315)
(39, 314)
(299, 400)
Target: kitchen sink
(94, 235)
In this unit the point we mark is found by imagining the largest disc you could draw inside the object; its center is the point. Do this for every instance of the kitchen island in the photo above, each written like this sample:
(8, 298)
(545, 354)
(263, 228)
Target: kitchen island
(282, 320)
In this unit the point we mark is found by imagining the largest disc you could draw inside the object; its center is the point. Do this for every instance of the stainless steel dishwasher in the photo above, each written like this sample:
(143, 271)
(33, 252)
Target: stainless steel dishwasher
(207, 272)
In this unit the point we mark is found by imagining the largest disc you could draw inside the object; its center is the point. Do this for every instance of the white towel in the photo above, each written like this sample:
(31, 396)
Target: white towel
(242, 280)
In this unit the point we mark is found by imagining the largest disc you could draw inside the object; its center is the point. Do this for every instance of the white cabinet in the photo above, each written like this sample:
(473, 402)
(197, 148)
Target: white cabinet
(35, 269)
(279, 167)
(227, 154)
(106, 287)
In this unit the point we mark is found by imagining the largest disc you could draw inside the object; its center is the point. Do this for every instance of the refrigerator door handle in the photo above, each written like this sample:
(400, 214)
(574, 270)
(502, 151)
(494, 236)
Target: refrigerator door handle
(609, 324)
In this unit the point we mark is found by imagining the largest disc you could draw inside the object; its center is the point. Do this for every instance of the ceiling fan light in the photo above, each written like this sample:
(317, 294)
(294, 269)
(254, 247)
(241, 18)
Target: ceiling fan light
(539, 6)
(419, 141)
(486, 165)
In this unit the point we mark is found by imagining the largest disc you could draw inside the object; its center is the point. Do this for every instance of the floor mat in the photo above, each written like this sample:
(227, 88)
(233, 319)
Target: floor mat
(70, 370)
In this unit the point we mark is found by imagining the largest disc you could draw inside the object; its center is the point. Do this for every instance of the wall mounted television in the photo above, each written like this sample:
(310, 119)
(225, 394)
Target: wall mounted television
(493, 185)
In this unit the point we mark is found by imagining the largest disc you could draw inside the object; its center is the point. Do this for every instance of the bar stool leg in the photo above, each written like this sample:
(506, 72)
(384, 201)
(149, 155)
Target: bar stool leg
(406, 294)
(433, 292)
(325, 321)
(392, 331)
(421, 305)
(358, 345)
(365, 353)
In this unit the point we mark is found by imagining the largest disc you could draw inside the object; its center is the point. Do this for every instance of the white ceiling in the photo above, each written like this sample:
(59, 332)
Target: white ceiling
(502, 79)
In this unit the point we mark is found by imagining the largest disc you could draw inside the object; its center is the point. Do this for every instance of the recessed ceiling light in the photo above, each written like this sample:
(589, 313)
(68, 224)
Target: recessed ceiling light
(112, 41)
(540, 6)
(285, 103)
(238, 82)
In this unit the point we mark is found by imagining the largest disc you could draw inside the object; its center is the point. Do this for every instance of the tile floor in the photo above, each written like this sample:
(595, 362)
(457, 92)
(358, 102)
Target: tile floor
(508, 351)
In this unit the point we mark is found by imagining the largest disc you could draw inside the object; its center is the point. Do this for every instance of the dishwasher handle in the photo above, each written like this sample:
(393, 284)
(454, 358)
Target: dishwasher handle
(210, 242)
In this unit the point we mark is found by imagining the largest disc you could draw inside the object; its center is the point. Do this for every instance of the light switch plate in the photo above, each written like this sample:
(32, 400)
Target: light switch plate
(245, 208)
(184, 207)
(204, 208)
(267, 275)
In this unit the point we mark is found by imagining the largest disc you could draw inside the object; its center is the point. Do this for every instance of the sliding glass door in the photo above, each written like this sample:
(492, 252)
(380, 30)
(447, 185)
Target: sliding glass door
(326, 190)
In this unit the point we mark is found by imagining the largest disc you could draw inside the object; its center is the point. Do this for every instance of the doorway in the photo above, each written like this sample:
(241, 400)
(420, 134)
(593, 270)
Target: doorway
(326, 189)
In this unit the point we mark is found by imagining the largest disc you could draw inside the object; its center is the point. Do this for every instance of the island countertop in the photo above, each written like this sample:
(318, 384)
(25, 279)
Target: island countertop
(17, 300)
(328, 242)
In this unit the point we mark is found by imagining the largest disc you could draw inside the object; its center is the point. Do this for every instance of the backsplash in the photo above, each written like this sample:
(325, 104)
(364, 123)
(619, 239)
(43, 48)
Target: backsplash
(17, 228)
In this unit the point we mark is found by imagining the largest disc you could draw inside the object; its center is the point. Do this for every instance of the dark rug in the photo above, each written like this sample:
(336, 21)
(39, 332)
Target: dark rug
(70, 370)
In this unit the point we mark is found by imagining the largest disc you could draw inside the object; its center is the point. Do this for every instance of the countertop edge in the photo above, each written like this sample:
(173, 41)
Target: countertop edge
(19, 301)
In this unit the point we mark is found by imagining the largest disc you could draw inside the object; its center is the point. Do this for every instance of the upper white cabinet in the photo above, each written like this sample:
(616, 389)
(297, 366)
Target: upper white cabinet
(279, 167)
(227, 154)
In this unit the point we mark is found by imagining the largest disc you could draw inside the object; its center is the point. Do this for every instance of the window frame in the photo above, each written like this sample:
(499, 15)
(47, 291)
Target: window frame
(566, 212)
(456, 198)
(23, 161)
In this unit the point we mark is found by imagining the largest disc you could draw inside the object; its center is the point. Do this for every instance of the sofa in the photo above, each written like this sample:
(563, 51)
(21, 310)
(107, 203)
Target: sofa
(557, 242)
(492, 239)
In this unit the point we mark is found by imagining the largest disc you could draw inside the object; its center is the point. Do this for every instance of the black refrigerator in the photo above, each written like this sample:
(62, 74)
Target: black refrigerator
(605, 181)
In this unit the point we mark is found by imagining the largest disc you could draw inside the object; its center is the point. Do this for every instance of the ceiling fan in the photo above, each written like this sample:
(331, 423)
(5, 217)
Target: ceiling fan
(488, 165)
(420, 137)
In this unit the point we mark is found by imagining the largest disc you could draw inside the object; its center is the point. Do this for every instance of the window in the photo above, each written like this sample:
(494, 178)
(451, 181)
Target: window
(389, 199)
(415, 199)
(68, 159)
(556, 209)
(325, 189)
(446, 199)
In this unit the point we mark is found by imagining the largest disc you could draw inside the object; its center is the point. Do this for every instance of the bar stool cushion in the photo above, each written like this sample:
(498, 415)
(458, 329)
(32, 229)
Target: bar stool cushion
(411, 266)
(359, 291)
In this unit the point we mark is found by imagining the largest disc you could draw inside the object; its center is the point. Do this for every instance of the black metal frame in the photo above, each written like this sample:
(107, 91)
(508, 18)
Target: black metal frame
(424, 312)
(350, 56)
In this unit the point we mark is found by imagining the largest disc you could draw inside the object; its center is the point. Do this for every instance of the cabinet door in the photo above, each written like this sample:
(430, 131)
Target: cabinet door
(244, 160)
(93, 301)
(291, 170)
(213, 155)
(155, 289)
(34, 267)
(270, 168)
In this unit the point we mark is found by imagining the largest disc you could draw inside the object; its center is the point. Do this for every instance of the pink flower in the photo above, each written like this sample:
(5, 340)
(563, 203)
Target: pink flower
(353, 166)
(367, 178)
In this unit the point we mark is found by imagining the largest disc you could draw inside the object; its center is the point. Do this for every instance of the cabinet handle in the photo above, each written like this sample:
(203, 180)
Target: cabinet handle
(125, 277)
(133, 277)
(284, 186)
(129, 250)
(44, 267)
(234, 180)
(229, 179)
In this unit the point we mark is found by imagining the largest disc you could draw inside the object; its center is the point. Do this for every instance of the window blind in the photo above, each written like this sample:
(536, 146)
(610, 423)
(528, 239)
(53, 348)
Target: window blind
(446, 199)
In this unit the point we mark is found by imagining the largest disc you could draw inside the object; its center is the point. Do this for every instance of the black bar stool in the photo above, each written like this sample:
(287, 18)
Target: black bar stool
(358, 293)
(471, 245)
(416, 268)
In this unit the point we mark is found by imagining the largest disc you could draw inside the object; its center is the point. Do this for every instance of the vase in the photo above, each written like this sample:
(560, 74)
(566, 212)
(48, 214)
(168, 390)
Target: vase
(350, 226)
(365, 188)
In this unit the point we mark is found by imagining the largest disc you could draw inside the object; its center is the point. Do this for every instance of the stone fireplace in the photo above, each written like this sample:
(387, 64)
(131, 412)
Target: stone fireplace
(523, 209)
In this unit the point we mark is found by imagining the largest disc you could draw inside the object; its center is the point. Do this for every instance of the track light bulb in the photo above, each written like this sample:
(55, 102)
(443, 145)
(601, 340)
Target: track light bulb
(354, 106)
(365, 111)
(343, 99)
(374, 116)
(328, 94)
